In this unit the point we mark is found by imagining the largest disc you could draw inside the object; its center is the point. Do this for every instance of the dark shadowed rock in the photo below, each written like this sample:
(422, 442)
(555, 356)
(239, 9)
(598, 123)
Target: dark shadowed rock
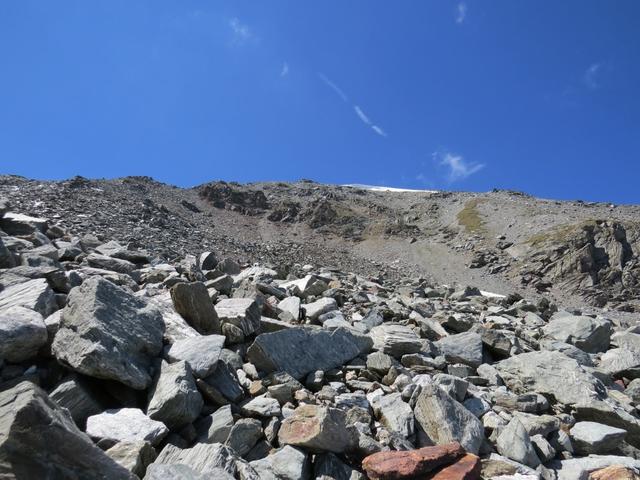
(38, 439)
(191, 300)
(299, 351)
(106, 332)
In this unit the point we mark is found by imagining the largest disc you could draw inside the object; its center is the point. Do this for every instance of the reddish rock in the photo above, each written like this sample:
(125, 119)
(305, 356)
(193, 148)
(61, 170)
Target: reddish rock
(614, 472)
(412, 463)
(467, 468)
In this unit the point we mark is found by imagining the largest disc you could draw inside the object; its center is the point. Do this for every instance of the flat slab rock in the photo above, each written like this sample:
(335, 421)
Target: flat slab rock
(301, 350)
(106, 332)
(125, 425)
(22, 333)
(38, 440)
(411, 463)
(34, 294)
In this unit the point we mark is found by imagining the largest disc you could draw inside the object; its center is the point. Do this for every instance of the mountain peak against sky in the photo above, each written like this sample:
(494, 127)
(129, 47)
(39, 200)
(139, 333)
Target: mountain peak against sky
(538, 97)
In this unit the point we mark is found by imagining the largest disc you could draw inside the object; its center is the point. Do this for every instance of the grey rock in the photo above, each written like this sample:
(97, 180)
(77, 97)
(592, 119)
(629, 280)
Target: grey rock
(134, 456)
(201, 353)
(301, 350)
(175, 400)
(323, 305)
(206, 459)
(207, 261)
(74, 395)
(7, 259)
(445, 420)
(38, 439)
(215, 428)
(305, 287)
(106, 332)
(22, 333)
(262, 406)
(550, 373)
(19, 224)
(244, 313)
(454, 386)
(125, 425)
(244, 434)
(225, 380)
(621, 362)
(108, 263)
(588, 334)
(379, 362)
(34, 294)
(543, 448)
(223, 284)
(327, 466)
(592, 437)
(463, 348)
(514, 442)
(395, 339)
(183, 472)
(192, 302)
(538, 424)
(286, 463)
(395, 414)
(571, 351)
(579, 468)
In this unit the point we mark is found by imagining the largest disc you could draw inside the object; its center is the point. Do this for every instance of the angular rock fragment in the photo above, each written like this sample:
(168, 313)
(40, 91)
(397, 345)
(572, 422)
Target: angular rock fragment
(287, 463)
(393, 465)
(38, 439)
(395, 340)
(445, 420)
(243, 435)
(592, 437)
(244, 313)
(215, 428)
(106, 332)
(125, 425)
(134, 456)
(301, 350)
(462, 348)
(192, 302)
(201, 353)
(22, 333)
(317, 428)
(34, 294)
(74, 395)
(467, 468)
(588, 334)
(315, 309)
(175, 400)
(514, 443)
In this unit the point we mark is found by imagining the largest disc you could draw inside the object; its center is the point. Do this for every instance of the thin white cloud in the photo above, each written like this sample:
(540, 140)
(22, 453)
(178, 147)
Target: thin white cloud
(461, 13)
(379, 131)
(362, 115)
(367, 121)
(459, 168)
(592, 76)
(285, 70)
(241, 31)
(333, 87)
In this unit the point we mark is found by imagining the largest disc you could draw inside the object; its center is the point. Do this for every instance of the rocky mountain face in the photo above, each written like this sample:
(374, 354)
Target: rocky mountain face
(157, 333)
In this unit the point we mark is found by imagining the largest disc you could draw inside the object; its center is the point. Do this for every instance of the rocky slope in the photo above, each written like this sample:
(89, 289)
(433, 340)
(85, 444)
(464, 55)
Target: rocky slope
(574, 252)
(160, 359)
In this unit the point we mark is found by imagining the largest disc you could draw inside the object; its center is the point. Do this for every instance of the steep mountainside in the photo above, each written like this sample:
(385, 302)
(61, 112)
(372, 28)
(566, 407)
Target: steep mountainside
(501, 240)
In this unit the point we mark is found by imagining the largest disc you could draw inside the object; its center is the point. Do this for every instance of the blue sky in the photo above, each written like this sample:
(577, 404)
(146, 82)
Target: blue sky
(539, 96)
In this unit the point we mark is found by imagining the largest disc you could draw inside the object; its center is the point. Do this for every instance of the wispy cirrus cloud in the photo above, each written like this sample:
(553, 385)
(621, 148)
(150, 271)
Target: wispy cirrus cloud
(592, 76)
(356, 108)
(241, 31)
(461, 13)
(458, 167)
(285, 70)
(334, 87)
(367, 121)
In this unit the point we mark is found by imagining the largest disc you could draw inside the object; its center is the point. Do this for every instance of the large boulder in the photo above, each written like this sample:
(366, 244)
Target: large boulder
(192, 302)
(318, 428)
(38, 439)
(175, 399)
(588, 334)
(287, 463)
(301, 350)
(445, 420)
(106, 332)
(22, 333)
(550, 373)
(34, 294)
(593, 437)
(19, 224)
